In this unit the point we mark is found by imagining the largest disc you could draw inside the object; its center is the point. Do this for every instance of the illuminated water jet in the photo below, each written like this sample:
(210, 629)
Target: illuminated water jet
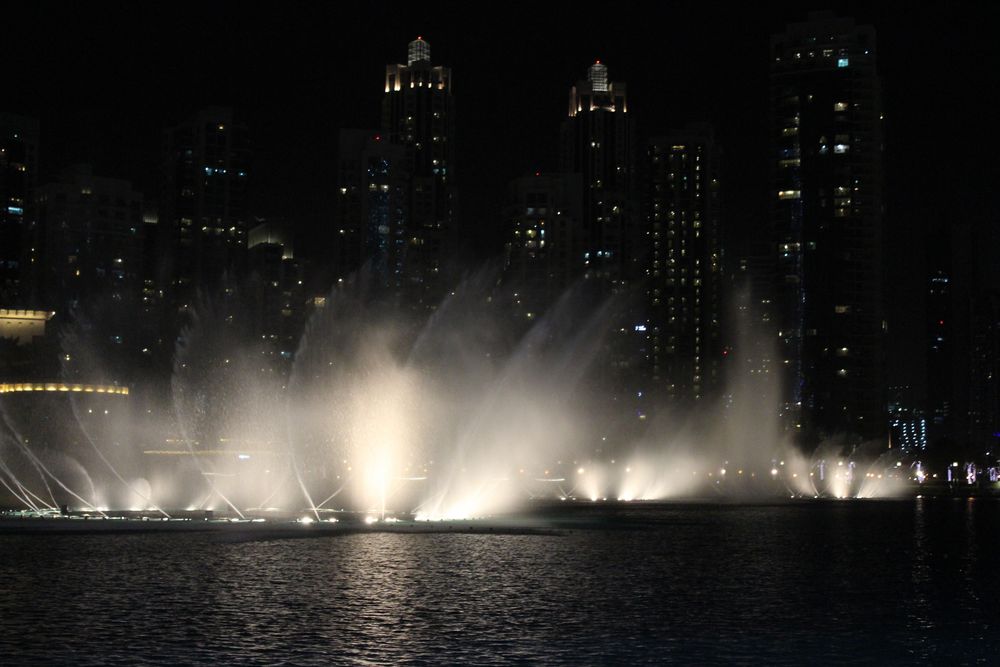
(462, 415)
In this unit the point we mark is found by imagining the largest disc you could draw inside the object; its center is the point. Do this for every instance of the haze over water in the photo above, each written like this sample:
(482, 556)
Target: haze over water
(461, 414)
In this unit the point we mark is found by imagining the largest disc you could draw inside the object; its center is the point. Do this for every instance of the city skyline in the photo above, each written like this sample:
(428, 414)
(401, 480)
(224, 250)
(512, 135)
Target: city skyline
(168, 83)
(660, 103)
(468, 334)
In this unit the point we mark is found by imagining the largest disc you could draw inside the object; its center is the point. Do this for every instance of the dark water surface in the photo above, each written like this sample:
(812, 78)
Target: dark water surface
(802, 583)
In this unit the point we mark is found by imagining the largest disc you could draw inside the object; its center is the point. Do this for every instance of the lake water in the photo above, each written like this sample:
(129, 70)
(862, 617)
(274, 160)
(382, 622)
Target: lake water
(793, 583)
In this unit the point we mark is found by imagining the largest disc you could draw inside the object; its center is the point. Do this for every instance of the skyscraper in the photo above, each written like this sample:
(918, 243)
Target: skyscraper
(984, 373)
(597, 142)
(371, 223)
(90, 265)
(545, 245)
(418, 113)
(18, 177)
(684, 265)
(943, 308)
(276, 294)
(91, 240)
(827, 216)
(203, 203)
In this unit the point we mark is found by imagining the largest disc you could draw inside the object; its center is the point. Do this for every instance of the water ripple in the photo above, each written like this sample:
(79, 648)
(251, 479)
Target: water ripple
(861, 582)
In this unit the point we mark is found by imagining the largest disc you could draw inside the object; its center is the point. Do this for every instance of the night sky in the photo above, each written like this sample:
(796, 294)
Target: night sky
(105, 78)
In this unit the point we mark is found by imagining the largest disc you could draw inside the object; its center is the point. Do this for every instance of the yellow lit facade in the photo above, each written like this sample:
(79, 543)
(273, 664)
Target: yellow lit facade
(23, 325)
(17, 387)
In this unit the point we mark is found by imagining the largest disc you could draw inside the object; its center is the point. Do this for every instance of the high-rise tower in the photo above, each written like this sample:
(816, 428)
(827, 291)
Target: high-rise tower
(827, 217)
(418, 113)
(371, 209)
(684, 265)
(544, 247)
(18, 177)
(203, 204)
(91, 241)
(597, 142)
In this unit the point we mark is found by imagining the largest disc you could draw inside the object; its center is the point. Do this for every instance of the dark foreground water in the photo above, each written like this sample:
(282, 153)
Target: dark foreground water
(803, 583)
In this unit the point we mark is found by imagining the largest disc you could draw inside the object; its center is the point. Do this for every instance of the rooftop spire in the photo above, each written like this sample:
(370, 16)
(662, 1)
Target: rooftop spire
(418, 50)
(598, 75)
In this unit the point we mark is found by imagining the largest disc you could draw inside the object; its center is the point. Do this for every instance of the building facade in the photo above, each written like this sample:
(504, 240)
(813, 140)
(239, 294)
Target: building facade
(91, 241)
(984, 373)
(907, 424)
(372, 206)
(684, 265)
(418, 114)
(545, 248)
(18, 178)
(597, 142)
(203, 219)
(827, 217)
(276, 298)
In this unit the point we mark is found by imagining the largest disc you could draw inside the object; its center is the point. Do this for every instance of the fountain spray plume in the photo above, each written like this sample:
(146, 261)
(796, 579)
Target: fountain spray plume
(204, 385)
(361, 418)
(84, 359)
(41, 468)
(522, 414)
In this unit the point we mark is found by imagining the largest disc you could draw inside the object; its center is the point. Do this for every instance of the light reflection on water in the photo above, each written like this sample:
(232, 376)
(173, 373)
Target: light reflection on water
(828, 582)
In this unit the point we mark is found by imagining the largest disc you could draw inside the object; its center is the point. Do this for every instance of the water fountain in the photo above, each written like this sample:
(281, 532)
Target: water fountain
(459, 416)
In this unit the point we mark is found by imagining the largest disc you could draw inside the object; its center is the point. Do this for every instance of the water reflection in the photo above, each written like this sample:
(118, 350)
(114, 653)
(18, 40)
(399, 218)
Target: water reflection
(826, 582)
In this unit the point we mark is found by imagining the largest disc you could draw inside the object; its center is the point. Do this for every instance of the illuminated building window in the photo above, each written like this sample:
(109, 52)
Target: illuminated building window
(598, 75)
(843, 62)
